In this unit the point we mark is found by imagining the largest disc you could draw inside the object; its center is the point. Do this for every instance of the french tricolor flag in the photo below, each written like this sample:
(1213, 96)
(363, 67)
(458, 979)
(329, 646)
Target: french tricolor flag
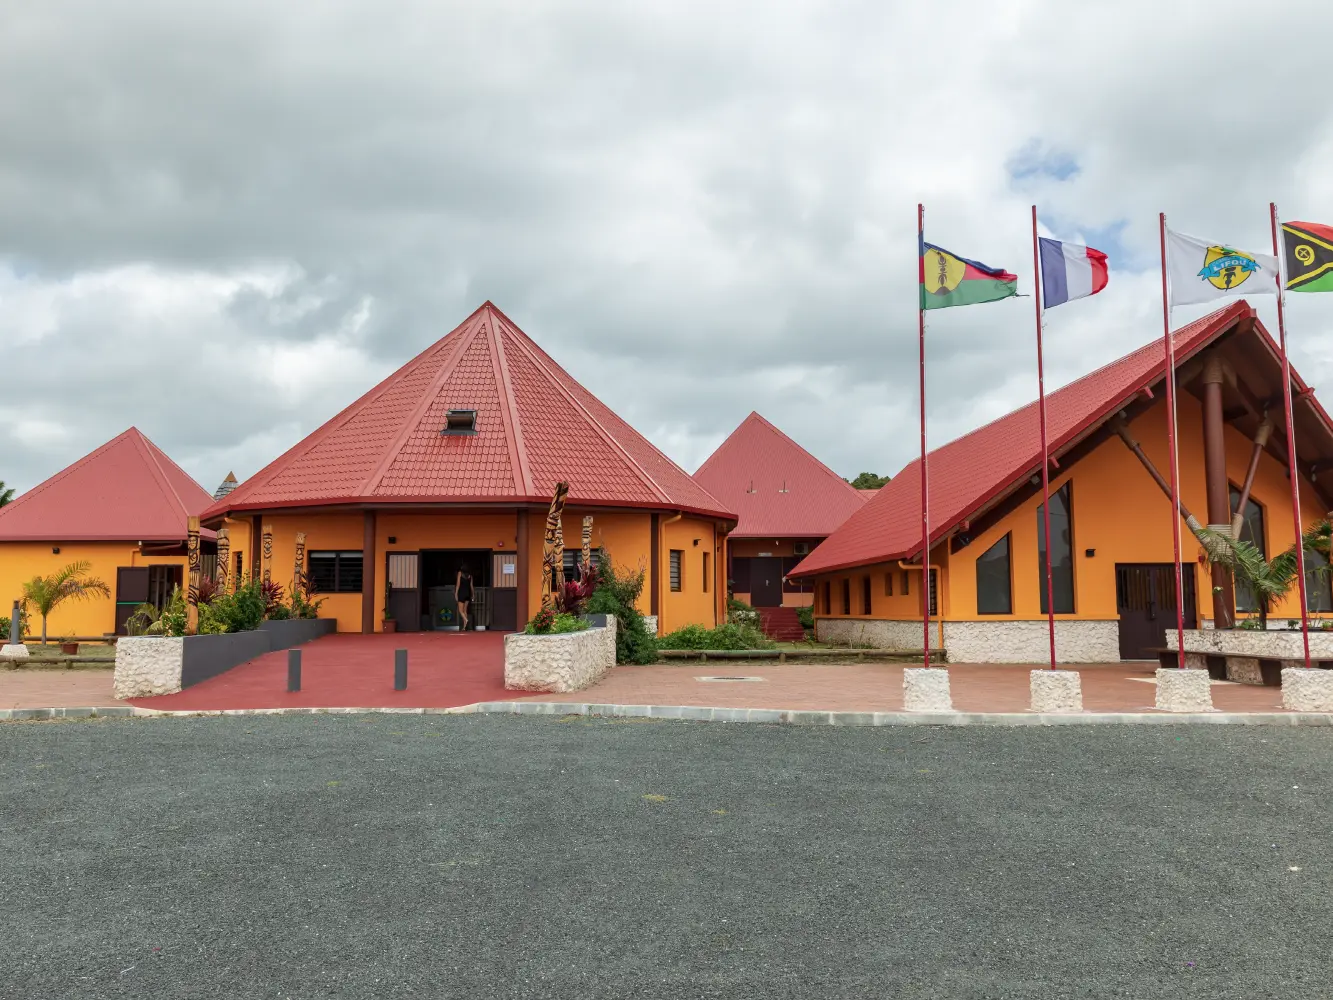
(1069, 271)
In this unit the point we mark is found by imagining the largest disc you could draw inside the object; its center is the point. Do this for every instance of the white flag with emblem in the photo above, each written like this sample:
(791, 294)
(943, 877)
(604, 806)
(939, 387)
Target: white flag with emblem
(1201, 271)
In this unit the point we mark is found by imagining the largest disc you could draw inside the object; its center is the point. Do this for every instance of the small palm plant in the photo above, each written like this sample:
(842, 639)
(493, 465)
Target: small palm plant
(6, 495)
(1270, 580)
(72, 583)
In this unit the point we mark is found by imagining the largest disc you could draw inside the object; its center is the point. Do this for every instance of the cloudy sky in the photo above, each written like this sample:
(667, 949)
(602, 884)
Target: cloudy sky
(221, 222)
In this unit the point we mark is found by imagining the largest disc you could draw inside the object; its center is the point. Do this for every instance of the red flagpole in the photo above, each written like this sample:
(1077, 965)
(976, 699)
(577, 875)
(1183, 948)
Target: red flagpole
(1291, 441)
(1045, 453)
(925, 492)
(1171, 446)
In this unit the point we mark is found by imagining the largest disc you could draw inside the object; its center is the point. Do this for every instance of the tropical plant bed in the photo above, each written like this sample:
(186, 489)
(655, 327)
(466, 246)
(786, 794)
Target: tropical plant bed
(841, 655)
(1246, 655)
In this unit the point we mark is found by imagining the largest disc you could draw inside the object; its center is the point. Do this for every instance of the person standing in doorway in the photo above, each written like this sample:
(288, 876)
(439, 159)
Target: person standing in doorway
(463, 595)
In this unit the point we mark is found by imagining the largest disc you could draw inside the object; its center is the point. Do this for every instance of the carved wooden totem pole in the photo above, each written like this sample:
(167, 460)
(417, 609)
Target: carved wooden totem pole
(585, 556)
(224, 560)
(553, 550)
(268, 552)
(192, 591)
(298, 574)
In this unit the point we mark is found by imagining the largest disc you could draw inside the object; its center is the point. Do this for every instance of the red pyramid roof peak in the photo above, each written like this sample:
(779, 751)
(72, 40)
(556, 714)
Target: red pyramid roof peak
(777, 487)
(126, 490)
(528, 424)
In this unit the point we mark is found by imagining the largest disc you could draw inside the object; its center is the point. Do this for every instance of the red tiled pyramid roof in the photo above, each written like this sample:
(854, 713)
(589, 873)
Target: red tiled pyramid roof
(752, 467)
(126, 490)
(535, 426)
(971, 471)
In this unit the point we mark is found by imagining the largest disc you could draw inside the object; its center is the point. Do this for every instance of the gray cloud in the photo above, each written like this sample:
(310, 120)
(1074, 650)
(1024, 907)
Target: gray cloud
(223, 222)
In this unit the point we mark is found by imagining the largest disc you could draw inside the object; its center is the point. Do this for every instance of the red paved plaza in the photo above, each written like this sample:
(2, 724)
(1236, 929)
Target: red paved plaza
(445, 669)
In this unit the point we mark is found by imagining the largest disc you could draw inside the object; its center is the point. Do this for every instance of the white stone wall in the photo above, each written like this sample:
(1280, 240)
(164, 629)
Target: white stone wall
(559, 663)
(1008, 641)
(1270, 645)
(650, 623)
(148, 665)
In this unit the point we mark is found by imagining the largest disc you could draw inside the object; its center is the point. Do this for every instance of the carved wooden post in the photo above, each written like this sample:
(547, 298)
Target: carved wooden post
(585, 557)
(268, 552)
(192, 592)
(298, 575)
(553, 549)
(224, 560)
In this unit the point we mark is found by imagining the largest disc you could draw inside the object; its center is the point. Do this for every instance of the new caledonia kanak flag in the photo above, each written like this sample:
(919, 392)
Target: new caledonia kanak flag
(1307, 249)
(950, 280)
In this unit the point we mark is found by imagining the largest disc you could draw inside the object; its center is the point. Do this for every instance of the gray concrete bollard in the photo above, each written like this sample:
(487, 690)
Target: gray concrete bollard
(400, 670)
(293, 670)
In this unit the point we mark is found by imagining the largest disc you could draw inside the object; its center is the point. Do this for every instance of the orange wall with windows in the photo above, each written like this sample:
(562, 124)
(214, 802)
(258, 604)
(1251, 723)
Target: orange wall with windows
(1121, 514)
(21, 561)
(323, 532)
(887, 600)
(695, 603)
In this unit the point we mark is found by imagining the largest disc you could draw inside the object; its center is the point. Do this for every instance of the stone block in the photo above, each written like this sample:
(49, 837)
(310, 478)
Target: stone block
(561, 663)
(1184, 690)
(926, 689)
(1056, 691)
(11, 651)
(1307, 689)
(148, 665)
(1241, 669)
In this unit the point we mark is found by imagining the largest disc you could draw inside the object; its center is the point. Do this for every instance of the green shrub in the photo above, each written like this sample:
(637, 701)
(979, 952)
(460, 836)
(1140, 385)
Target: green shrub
(806, 616)
(729, 636)
(553, 623)
(741, 613)
(617, 594)
(240, 611)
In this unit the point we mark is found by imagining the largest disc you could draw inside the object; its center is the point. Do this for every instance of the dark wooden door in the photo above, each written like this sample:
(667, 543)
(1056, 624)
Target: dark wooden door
(131, 591)
(404, 601)
(504, 593)
(1145, 596)
(766, 582)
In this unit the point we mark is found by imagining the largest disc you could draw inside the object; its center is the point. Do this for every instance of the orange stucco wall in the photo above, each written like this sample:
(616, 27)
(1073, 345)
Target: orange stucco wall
(626, 536)
(1120, 514)
(898, 605)
(21, 561)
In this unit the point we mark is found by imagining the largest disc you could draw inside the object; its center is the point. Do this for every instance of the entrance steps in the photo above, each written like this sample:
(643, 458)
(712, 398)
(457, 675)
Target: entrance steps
(781, 624)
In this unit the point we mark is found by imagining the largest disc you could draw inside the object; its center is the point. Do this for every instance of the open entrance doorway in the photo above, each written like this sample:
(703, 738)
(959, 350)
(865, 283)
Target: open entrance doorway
(439, 574)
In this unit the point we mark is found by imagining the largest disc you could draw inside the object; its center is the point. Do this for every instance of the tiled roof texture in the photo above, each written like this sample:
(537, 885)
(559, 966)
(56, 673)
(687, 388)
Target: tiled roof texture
(126, 490)
(749, 471)
(976, 468)
(535, 426)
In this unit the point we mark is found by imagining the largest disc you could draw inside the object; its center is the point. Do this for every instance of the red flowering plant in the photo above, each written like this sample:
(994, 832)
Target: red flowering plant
(541, 622)
(576, 593)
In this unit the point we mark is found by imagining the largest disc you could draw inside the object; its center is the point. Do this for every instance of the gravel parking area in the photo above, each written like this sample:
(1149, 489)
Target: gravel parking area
(496, 856)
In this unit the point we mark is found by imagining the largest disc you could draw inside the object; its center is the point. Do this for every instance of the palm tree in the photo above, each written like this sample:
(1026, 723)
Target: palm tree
(1268, 579)
(6, 495)
(72, 583)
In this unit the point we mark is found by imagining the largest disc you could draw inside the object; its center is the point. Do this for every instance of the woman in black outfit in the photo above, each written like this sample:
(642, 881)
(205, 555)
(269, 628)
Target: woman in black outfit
(463, 594)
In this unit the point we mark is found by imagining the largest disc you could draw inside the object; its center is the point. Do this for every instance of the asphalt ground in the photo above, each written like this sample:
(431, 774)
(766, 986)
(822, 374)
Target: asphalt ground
(476, 856)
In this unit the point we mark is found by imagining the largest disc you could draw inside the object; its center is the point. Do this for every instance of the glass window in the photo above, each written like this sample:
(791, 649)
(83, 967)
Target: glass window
(994, 580)
(676, 556)
(1062, 551)
(335, 572)
(1318, 589)
(1252, 531)
(907, 585)
(934, 594)
(828, 598)
(888, 584)
(865, 596)
(846, 596)
(574, 563)
(706, 573)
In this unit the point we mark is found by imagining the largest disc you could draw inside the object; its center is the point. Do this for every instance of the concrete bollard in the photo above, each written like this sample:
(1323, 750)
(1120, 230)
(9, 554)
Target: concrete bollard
(1056, 691)
(1184, 690)
(1307, 689)
(293, 670)
(926, 689)
(13, 648)
(400, 670)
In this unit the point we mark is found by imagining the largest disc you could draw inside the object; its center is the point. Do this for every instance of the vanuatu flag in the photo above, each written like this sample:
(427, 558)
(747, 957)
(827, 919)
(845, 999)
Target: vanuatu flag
(949, 280)
(1307, 250)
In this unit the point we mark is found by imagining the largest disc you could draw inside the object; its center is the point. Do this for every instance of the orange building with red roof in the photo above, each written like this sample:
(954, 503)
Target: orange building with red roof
(124, 509)
(1111, 521)
(452, 460)
(786, 501)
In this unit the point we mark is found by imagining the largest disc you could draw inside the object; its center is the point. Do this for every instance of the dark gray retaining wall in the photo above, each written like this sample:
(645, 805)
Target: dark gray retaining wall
(206, 656)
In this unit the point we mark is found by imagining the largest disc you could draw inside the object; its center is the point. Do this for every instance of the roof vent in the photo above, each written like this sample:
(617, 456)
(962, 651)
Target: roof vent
(460, 422)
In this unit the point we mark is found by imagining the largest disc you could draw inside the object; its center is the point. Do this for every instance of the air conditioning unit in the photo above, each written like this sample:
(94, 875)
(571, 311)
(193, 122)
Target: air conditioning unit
(801, 548)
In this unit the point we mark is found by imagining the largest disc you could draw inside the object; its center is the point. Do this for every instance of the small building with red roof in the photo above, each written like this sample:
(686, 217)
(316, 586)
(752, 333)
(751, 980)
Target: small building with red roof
(786, 502)
(1111, 528)
(123, 509)
(453, 460)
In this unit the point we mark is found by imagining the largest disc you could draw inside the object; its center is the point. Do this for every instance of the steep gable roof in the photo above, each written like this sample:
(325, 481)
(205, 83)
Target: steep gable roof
(126, 490)
(535, 426)
(972, 471)
(777, 488)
